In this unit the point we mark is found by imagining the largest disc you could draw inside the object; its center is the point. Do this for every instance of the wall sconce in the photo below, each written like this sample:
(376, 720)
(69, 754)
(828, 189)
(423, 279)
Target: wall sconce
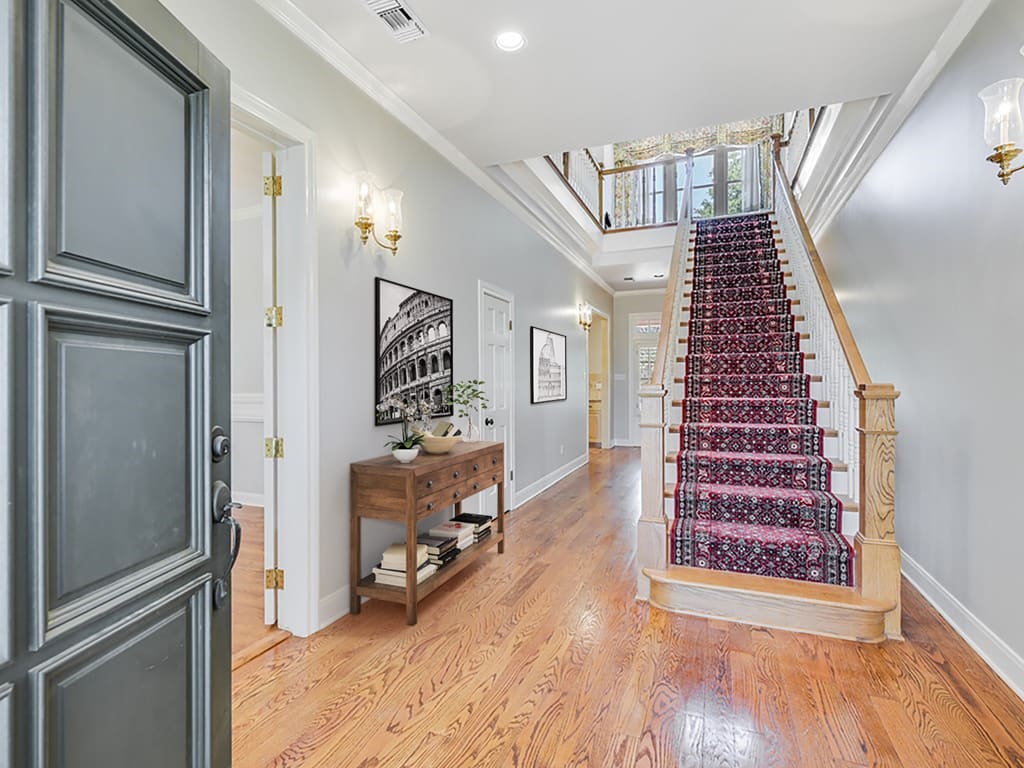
(1004, 125)
(585, 316)
(392, 206)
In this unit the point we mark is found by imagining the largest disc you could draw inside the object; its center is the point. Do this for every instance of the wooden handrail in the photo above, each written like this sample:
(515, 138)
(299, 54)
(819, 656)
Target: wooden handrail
(853, 357)
(641, 166)
(590, 156)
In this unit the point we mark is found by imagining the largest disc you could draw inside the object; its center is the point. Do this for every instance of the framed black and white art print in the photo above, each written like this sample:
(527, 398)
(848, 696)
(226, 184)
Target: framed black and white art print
(413, 348)
(547, 358)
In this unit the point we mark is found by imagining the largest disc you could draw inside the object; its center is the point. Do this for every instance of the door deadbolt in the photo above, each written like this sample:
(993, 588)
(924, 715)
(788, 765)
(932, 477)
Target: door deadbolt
(220, 444)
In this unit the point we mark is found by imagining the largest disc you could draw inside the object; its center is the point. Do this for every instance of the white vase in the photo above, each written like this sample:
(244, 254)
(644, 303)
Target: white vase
(405, 455)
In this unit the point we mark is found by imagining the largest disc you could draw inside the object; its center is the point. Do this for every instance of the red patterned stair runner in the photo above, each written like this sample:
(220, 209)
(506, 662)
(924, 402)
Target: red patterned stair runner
(754, 490)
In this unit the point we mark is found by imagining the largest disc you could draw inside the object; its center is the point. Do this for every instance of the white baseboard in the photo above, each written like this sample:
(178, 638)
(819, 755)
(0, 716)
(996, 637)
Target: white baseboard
(523, 495)
(1003, 660)
(332, 608)
(625, 443)
(249, 499)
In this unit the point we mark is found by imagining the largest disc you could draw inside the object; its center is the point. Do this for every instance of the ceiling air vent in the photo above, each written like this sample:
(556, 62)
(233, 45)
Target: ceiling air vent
(400, 19)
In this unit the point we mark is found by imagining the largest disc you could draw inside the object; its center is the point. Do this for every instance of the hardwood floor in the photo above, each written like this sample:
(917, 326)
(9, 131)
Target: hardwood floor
(249, 635)
(541, 658)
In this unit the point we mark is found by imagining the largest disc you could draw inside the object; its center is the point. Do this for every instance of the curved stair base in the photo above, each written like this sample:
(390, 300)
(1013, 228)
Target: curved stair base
(798, 606)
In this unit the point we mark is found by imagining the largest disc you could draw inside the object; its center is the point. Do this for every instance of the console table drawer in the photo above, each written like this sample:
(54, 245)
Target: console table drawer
(433, 482)
(487, 465)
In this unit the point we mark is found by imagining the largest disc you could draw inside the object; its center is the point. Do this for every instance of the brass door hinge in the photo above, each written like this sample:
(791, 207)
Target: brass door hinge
(274, 578)
(273, 447)
(274, 316)
(272, 186)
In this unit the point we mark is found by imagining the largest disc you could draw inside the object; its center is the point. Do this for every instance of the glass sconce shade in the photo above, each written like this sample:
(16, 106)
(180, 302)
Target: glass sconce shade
(1004, 123)
(393, 210)
(364, 196)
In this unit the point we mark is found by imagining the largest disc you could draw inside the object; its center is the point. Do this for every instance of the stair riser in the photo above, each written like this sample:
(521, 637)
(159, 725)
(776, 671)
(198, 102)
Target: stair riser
(820, 517)
(676, 414)
(744, 342)
(768, 610)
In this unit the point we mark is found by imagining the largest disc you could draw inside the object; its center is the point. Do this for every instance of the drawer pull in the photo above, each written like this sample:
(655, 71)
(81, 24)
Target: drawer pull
(476, 486)
(430, 483)
(494, 478)
(456, 474)
(456, 495)
(476, 467)
(430, 506)
(494, 460)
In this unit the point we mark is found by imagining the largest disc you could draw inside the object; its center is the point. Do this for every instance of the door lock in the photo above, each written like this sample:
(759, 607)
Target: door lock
(220, 445)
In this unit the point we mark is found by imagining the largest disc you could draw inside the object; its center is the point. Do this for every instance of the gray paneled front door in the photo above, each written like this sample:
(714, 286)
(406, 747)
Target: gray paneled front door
(114, 231)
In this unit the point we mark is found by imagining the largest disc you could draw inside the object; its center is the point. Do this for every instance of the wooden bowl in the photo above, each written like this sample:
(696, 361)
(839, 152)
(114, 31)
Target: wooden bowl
(437, 445)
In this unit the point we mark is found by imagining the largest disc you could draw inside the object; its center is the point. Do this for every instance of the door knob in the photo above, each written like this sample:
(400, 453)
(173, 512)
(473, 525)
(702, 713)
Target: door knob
(488, 422)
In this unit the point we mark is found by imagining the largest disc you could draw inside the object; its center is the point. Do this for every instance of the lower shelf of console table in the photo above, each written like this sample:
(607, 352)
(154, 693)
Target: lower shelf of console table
(383, 489)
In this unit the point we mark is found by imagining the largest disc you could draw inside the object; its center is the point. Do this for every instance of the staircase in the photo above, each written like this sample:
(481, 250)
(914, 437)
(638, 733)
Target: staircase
(770, 435)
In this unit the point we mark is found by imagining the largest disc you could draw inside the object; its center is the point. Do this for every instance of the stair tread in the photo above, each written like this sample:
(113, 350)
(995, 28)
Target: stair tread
(837, 466)
(804, 591)
(821, 403)
(849, 505)
(674, 429)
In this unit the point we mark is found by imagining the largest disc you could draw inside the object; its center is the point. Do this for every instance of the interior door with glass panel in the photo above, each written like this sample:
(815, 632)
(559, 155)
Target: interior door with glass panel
(115, 641)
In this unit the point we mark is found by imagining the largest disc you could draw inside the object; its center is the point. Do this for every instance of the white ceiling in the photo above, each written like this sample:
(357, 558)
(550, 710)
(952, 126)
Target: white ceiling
(598, 72)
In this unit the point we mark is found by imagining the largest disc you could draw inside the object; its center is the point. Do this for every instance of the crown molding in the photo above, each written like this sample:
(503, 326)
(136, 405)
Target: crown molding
(330, 50)
(895, 112)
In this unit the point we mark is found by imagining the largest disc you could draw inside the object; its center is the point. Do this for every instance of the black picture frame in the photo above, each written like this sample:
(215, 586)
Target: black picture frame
(413, 354)
(549, 378)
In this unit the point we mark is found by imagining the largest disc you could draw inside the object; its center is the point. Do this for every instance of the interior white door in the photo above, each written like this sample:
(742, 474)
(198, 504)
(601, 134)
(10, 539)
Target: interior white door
(496, 372)
(270, 415)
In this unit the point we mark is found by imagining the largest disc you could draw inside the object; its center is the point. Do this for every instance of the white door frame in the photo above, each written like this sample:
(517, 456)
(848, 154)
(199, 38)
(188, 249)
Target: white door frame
(483, 289)
(298, 552)
(606, 396)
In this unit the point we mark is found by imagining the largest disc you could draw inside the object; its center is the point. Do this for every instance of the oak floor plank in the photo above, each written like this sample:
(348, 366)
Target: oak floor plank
(541, 658)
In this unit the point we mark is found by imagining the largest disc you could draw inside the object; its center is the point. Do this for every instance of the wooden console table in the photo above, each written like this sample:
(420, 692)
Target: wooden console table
(386, 490)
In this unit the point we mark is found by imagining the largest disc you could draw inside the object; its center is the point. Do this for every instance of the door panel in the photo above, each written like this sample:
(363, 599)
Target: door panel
(496, 371)
(116, 305)
(169, 641)
(6, 733)
(110, 112)
(87, 366)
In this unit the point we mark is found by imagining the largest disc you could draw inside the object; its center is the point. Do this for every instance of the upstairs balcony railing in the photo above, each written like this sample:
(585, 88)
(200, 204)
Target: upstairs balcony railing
(722, 180)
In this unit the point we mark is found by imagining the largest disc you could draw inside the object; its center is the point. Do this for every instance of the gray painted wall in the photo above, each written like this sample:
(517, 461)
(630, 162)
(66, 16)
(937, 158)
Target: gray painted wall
(624, 306)
(454, 233)
(927, 262)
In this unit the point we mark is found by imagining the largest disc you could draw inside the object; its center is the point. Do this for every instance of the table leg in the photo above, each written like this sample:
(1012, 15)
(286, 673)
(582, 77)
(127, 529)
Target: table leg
(355, 602)
(410, 569)
(501, 517)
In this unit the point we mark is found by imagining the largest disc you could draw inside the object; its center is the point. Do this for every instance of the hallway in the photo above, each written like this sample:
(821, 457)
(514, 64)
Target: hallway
(541, 657)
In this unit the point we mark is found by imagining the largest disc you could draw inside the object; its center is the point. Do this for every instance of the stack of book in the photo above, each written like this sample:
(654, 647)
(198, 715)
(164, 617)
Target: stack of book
(441, 550)
(391, 569)
(481, 525)
(461, 532)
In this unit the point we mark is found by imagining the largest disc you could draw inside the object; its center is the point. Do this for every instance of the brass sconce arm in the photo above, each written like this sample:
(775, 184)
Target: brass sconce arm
(1003, 156)
(368, 228)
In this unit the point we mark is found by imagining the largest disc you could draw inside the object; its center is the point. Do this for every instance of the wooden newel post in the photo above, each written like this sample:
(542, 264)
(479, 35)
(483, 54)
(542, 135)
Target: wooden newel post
(877, 553)
(650, 528)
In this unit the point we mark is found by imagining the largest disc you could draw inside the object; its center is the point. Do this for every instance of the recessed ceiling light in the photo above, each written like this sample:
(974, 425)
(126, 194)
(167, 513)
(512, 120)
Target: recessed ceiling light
(510, 41)
(659, 275)
(628, 279)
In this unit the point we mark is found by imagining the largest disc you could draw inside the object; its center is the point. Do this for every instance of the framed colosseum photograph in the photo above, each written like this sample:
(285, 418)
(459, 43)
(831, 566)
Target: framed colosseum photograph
(547, 355)
(414, 348)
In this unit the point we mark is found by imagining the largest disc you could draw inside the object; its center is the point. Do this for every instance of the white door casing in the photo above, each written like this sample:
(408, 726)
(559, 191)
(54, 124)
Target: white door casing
(497, 372)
